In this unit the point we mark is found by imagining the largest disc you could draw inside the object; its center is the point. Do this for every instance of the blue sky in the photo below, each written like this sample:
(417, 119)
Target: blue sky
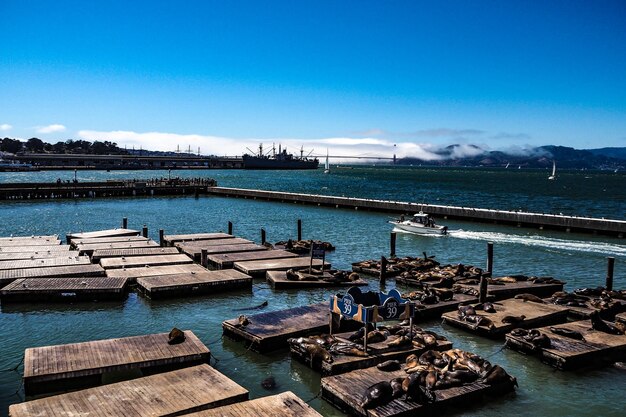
(355, 76)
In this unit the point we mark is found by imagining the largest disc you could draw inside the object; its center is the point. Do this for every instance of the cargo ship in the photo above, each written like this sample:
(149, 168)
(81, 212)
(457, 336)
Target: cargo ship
(280, 160)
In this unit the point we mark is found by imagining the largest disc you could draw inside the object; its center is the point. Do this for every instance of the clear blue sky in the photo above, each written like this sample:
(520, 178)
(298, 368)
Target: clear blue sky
(499, 73)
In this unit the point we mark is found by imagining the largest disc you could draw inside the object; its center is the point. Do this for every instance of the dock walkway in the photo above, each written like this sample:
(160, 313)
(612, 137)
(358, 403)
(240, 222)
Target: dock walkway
(87, 270)
(258, 269)
(286, 404)
(207, 282)
(139, 261)
(64, 289)
(226, 260)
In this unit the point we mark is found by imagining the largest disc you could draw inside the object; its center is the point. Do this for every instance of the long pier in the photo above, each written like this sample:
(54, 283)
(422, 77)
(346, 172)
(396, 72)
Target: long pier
(518, 218)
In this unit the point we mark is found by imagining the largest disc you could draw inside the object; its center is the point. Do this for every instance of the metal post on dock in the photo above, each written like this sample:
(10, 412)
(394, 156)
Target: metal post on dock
(299, 230)
(204, 258)
(490, 258)
(230, 228)
(144, 231)
(392, 243)
(161, 236)
(124, 222)
(262, 236)
(610, 266)
(383, 269)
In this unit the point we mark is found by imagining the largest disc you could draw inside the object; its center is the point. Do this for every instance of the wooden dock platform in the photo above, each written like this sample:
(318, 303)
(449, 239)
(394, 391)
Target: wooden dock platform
(131, 252)
(113, 239)
(226, 260)
(171, 240)
(194, 248)
(27, 238)
(102, 233)
(165, 394)
(510, 290)
(278, 280)
(89, 248)
(269, 331)
(84, 364)
(137, 261)
(65, 260)
(424, 312)
(286, 404)
(536, 314)
(259, 268)
(346, 392)
(64, 289)
(14, 256)
(29, 242)
(88, 270)
(152, 271)
(42, 248)
(597, 348)
(193, 283)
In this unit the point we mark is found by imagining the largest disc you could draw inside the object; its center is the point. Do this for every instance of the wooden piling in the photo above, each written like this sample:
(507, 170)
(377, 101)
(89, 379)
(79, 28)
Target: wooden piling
(125, 223)
(144, 231)
(161, 234)
(204, 257)
(482, 289)
(610, 266)
(262, 236)
(392, 244)
(299, 230)
(490, 258)
(383, 269)
(230, 228)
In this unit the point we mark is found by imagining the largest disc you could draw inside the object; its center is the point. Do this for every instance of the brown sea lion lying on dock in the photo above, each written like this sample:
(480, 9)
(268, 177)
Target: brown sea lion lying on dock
(175, 337)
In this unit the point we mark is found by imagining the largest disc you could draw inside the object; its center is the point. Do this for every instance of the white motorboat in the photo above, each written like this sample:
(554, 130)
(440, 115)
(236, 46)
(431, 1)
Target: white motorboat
(420, 223)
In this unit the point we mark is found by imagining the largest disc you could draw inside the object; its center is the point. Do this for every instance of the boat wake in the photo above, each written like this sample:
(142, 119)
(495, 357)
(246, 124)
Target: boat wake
(608, 249)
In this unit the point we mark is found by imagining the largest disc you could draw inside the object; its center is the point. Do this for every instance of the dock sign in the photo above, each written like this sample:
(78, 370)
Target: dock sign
(317, 251)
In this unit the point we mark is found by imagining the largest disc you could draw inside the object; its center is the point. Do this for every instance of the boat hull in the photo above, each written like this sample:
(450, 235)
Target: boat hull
(423, 230)
(268, 163)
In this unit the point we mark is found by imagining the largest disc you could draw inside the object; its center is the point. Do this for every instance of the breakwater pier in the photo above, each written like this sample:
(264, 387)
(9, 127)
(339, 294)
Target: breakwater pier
(610, 227)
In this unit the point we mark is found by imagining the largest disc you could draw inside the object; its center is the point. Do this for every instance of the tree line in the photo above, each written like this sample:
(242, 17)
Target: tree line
(35, 145)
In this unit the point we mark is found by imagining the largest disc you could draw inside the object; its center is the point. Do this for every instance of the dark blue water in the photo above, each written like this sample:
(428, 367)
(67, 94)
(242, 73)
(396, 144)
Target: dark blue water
(578, 259)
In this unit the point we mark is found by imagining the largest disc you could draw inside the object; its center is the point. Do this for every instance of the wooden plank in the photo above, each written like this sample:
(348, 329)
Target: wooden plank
(42, 248)
(131, 252)
(260, 268)
(194, 248)
(285, 404)
(27, 238)
(170, 240)
(65, 260)
(88, 249)
(136, 261)
(89, 270)
(64, 289)
(14, 256)
(597, 348)
(193, 283)
(278, 280)
(510, 290)
(103, 233)
(226, 260)
(195, 251)
(46, 367)
(267, 331)
(133, 273)
(113, 239)
(346, 391)
(29, 243)
(164, 394)
(536, 314)
(434, 311)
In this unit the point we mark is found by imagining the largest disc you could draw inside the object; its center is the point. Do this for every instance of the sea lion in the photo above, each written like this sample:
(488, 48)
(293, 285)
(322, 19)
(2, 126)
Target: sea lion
(464, 311)
(378, 394)
(396, 385)
(242, 321)
(572, 334)
(541, 341)
(497, 375)
(598, 324)
(269, 383)
(176, 336)
(529, 297)
(317, 351)
(621, 326)
(486, 307)
(429, 357)
(513, 319)
(416, 392)
(519, 332)
(354, 277)
(411, 361)
(399, 342)
(388, 366)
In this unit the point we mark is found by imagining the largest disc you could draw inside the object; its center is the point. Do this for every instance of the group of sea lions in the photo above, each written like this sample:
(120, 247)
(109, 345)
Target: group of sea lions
(429, 295)
(606, 302)
(432, 371)
(302, 246)
(469, 313)
(330, 276)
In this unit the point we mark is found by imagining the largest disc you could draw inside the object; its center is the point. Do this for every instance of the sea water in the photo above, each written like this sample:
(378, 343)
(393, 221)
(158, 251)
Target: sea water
(578, 259)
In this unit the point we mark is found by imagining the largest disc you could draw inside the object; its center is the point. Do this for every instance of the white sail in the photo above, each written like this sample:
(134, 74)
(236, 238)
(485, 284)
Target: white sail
(553, 176)
(326, 165)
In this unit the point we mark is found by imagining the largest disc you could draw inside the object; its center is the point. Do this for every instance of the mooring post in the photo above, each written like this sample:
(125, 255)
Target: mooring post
(161, 235)
(490, 258)
(230, 228)
(262, 236)
(125, 223)
(392, 243)
(610, 266)
(299, 230)
(482, 289)
(383, 269)
(144, 231)
(204, 257)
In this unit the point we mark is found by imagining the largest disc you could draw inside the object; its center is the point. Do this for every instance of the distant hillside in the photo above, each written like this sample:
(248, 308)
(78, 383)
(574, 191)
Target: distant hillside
(618, 153)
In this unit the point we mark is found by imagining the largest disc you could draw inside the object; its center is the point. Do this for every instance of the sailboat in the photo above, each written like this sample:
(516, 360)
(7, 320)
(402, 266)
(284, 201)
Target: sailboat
(327, 165)
(507, 165)
(553, 176)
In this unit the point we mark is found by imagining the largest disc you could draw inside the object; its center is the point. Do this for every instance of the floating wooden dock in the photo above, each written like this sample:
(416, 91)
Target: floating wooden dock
(113, 239)
(286, 404)
(565, 353)
(84, 364)
(193, 283)
(131, 252)
(27, 238)
(194, 250)
(151, 271)
(171, 240)
(89, 270)
(64, 289)
(260, 268)
(29, 243)
(165, 394)
(226, 260)
(346, 392)
(378, 353)
(42, 248)
(65, 260)
(102, 233)
(537, 315)
(88, 249)
(424, 312)
(278, 280)
(510, 290)
(136, 261)
(269, 331)
(14, 256)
